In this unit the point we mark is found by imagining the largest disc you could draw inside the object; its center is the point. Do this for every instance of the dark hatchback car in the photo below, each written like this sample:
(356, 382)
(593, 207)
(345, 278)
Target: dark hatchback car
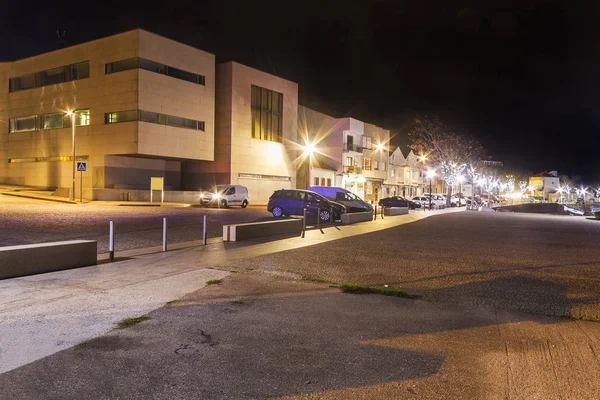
(398, 201)
(286, 202)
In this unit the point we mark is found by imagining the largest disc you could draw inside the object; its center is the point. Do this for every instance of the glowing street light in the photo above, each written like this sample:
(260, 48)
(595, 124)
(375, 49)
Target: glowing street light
(309, 149)
(380, 147)
(72, 115)
(422, 158)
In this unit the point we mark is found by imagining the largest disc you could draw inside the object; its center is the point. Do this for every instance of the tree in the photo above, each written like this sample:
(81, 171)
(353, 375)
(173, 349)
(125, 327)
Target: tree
(451, 152)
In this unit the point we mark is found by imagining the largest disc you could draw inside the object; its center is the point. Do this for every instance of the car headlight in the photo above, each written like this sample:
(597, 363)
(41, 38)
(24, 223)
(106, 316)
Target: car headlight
(216, 196)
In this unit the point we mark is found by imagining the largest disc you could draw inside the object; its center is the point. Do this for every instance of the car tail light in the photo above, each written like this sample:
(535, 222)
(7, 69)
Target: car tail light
(271, 198)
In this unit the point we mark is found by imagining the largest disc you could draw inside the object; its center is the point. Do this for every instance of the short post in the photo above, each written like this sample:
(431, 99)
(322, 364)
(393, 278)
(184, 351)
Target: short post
(164, 234)
(375, 212)
(382, 211)
(204, 231)
(81, 186)
(319, 218)
(304, 223)
(111, 241)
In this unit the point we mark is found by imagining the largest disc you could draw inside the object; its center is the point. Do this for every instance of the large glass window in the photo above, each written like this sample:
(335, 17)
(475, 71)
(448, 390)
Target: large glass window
(23, 124)
(267, 114)
(53, 76)
(82, 117)
(154, 118)
(153, 66)
(54, 121)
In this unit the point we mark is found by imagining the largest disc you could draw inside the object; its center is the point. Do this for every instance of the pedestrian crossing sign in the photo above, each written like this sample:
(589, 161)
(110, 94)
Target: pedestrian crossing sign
(81, 166)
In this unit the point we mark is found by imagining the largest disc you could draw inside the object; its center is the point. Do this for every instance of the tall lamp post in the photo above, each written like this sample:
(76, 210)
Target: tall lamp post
(430, 175)
(72, 115)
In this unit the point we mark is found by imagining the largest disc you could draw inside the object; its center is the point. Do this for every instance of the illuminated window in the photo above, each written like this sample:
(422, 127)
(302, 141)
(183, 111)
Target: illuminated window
(267, 114)
(53, 76)
(153, 66)
(366, 142)
(393, 172)
(375, 165)
(367, 164)
(47, 159)
(82, 117)
(154, 118)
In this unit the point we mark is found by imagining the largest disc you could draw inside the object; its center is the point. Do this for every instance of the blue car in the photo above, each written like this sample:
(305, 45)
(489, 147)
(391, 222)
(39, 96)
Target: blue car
(286, 202)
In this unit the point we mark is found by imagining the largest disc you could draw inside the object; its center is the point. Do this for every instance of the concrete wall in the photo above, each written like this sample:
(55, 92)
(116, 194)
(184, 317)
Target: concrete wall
(102, 93)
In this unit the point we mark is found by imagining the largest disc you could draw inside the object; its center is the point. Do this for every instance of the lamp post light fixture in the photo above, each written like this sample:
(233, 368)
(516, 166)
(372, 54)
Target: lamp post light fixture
(72, 115)
(309, 149)
(380, 147)
(430, 175)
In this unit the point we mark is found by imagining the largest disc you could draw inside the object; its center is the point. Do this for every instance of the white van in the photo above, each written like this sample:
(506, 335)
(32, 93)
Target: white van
(225, 196)
(352, 202)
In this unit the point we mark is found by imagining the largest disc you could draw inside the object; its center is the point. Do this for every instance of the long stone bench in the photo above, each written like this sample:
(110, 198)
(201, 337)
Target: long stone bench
(252, 230)
(392, 211)
(38, 258)
(352, 218)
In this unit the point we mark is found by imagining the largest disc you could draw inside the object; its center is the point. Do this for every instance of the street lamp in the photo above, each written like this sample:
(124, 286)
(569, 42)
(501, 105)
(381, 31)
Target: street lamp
(72, 115)
(430, 175)
(309, 149)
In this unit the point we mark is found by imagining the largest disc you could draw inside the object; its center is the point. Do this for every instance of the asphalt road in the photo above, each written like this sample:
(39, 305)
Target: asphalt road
(26, 221)
(256, 337)
(528, 262)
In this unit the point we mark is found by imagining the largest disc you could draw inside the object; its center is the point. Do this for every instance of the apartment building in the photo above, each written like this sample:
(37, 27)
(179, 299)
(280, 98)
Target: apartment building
(144, 106)
(357, 151)
(406, 175)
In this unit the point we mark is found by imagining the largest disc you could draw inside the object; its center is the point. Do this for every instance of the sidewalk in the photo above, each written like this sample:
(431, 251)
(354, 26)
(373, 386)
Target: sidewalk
(46, 313)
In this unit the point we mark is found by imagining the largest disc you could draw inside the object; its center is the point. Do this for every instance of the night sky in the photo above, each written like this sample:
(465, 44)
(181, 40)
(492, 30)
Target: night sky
(522, 76)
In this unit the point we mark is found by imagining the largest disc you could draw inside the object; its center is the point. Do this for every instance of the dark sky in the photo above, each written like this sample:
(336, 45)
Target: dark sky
(522, 76)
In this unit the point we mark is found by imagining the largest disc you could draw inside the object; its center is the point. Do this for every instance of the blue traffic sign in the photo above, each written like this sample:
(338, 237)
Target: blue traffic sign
(81, 166)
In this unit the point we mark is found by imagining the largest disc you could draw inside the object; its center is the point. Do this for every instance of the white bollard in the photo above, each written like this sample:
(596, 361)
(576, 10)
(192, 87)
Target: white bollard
(111, 241)
(164, 234)
(204, 231)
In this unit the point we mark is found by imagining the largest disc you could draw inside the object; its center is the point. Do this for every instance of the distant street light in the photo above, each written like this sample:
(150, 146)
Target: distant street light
(309, 149)
(72, 115)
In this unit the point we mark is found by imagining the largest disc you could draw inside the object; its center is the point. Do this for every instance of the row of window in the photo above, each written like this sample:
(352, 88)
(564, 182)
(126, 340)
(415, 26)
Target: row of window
(369, 165)
(152, 117)
(153, 66)
(53, 76)
(48, 121)
(267, 114)
(322, 181)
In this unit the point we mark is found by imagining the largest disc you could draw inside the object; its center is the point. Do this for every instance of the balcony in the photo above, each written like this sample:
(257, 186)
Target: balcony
(352, 170)
(352, 147)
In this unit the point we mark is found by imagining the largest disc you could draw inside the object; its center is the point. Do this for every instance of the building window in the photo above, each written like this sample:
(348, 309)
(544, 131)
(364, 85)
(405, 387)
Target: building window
(375, 165)
(349, 161)
(54, 121)
(366, 142)
(154, 118)
(47, 159)
(328, 181)
(53, 76)
(382, 166)
(393, 172)
(82, 117)
(367, 164)
(23, 124)
(316, 181)
(153, 66)
(267, 114)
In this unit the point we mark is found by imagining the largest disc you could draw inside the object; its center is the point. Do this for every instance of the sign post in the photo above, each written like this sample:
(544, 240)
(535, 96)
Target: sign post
(157, 183)
(81, 168)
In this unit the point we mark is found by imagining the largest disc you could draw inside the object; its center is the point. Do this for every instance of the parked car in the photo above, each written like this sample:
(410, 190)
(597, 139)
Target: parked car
(398, 201)
(436, 199)
(286, 202)
(422, 200)
(352, 202)
(225, 196)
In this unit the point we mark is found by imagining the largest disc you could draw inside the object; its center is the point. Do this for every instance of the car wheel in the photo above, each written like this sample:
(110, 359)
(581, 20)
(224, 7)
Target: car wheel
(223, 203)
(324, 215)
(244, 204)
(277, 212)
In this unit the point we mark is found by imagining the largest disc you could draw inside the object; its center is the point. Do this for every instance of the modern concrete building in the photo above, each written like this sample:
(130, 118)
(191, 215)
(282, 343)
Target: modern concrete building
(255, 134)
(144, 107)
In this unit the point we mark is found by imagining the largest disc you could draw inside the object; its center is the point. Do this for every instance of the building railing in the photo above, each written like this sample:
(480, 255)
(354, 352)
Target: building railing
(352, 147)
(352, 169)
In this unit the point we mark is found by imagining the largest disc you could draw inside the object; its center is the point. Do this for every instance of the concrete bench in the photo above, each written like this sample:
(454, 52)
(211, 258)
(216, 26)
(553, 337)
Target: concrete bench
(352, 218)
(392, 211)
(38, 258)
(252, 230)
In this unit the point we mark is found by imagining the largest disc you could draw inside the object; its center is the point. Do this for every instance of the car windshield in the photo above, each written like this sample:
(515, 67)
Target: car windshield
(221, 188)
